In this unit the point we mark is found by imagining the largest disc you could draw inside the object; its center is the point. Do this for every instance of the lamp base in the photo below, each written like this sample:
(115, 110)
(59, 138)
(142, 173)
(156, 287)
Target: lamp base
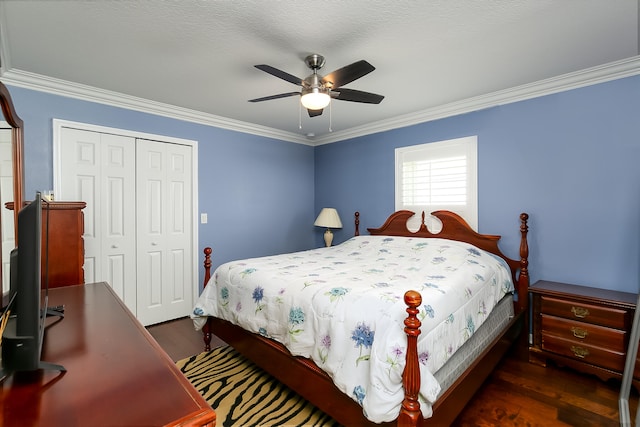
(328, 237)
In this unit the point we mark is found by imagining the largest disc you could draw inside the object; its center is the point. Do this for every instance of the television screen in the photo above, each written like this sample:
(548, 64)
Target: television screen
(23, 334)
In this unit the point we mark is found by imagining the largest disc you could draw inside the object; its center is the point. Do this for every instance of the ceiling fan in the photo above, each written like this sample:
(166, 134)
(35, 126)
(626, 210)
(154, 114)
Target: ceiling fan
(317, 91)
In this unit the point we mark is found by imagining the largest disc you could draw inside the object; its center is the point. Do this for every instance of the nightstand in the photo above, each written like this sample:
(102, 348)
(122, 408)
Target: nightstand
(584, 328)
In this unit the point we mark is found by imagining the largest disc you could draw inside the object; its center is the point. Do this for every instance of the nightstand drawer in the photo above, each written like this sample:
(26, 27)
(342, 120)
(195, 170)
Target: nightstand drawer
(577, 331)
(595, 314)
(594, 355)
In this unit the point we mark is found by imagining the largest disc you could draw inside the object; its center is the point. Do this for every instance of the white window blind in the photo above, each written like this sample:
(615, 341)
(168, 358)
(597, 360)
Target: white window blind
(438, 175)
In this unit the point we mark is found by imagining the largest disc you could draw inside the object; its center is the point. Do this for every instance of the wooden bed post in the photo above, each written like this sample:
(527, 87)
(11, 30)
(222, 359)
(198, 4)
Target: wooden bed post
(523, 276)
(206, 329)
(410, 414)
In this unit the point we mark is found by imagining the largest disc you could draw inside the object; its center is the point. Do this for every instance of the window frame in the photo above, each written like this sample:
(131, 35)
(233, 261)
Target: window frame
(434, 151)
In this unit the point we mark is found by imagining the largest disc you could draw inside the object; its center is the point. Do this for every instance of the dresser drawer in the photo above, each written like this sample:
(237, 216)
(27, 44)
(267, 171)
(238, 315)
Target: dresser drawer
(587, 333)
(596, 314)
(577, 350)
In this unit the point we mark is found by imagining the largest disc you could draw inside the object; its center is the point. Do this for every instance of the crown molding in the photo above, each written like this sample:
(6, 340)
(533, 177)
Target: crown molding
(68, 89)
(600, 74)
(587, 77)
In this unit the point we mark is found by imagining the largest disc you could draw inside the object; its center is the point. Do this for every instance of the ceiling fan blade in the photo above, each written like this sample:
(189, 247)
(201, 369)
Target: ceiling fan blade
(280, 74)
(352, 95)
(314, 113)
(280, 95)
(348, 74)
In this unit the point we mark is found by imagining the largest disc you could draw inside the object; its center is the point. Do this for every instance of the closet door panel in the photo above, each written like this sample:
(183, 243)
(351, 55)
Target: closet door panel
(179, 223)
(99, 169)
(164, 227)
(80, 163)
(178, 270)
(118, 224)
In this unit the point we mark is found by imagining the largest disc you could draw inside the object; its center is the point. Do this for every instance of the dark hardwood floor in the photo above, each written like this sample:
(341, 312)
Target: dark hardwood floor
(180, 339)
(516, 394)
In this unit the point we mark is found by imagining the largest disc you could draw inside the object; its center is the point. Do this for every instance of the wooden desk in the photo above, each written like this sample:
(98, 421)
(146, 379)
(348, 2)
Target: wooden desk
(117, 374)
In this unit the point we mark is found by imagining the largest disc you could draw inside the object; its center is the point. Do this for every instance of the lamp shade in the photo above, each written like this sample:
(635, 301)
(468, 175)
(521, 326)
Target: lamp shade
(328, 218)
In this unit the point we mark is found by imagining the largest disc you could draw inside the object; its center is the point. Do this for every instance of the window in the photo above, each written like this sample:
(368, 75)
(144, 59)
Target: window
(438, 175)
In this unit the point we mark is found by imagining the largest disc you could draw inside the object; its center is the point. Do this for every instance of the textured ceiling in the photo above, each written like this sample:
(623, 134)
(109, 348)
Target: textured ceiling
(199, 55)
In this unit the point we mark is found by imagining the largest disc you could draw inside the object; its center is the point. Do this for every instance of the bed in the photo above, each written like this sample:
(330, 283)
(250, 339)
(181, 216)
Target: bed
(406, 382)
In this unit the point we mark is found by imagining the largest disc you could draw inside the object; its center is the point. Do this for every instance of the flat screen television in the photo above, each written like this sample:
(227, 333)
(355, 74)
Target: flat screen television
(24, 332)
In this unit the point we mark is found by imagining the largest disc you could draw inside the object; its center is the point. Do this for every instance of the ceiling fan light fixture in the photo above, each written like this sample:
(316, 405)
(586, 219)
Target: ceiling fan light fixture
(315, 98)
(317, 91)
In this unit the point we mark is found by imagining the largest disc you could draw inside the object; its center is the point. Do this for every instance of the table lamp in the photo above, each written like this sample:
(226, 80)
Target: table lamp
(328, 218)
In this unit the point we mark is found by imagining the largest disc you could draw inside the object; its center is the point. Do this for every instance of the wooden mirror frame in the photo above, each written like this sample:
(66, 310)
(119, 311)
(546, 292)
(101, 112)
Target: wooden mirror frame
(17, 150)
(17, 147)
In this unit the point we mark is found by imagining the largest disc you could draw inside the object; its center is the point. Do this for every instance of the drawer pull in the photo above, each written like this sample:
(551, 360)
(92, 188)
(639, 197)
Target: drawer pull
(580, 312)
(580, 352)
(579, 332)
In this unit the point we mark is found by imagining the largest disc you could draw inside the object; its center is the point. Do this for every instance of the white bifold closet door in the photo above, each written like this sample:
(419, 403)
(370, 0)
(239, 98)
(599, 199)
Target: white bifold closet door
(164, 231)
(137, 220)
(99, 169)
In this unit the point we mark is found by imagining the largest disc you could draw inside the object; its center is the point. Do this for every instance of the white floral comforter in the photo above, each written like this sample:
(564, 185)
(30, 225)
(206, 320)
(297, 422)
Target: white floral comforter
(344, 308)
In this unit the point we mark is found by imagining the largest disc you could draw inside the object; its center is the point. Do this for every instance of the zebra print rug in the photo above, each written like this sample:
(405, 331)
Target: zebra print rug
(244, 395)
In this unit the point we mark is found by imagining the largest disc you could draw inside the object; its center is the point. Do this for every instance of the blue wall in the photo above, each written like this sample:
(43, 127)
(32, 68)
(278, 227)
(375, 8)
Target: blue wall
(257, 191)
(570, 160)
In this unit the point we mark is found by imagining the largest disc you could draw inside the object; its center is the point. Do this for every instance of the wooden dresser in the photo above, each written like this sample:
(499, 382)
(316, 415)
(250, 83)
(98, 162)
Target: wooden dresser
(584, 328)
(117, 374)
(66, 244)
